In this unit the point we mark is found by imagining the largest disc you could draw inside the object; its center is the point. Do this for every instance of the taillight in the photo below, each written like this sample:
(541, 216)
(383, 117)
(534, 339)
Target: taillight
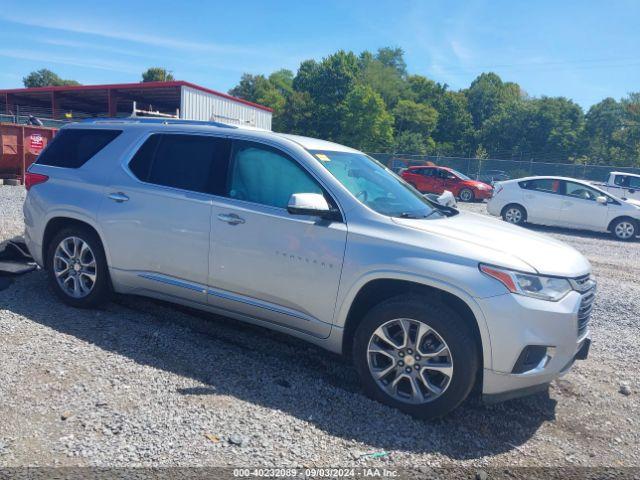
(497, 188)
(31, 179)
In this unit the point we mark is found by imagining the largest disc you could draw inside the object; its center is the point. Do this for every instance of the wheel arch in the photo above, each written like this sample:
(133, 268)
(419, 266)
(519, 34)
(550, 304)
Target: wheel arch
(57, 223)
(515, 204)
(375, 290)
(622, 217)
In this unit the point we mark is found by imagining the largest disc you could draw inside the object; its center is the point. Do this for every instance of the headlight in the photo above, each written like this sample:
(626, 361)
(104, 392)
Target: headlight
(537, 286)
(483, 187)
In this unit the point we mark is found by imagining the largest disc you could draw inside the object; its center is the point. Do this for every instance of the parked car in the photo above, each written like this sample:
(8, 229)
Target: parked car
(491, 176)
(564, 202)
(623, 185)
(313, 239)
(439, 179)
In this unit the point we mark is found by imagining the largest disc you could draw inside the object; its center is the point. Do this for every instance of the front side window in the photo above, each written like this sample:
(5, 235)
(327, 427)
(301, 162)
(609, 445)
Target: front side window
(264, 175)
(188, 162)
(577, 190)
(72, 148)
(427, 172)
(374, 185)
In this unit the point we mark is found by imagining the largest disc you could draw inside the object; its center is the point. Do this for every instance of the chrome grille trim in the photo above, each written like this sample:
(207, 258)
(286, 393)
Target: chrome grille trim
(587, 287)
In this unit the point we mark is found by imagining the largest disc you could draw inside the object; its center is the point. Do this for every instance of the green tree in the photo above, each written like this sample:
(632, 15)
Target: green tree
(157, 74)
(415, 117)
(413, 143)
(488, 95)
(393, 58)
(454, 132)
(45, 78)
(365, 124)
(385, 79)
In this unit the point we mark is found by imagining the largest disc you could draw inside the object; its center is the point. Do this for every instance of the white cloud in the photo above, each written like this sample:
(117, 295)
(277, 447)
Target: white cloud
(82, 61)
(166, 41)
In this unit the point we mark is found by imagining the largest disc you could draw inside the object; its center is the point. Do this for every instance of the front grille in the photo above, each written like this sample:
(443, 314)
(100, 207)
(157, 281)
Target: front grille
(587, 287)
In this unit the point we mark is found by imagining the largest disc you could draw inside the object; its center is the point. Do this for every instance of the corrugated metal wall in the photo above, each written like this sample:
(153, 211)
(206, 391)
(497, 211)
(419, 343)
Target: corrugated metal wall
(199, 105)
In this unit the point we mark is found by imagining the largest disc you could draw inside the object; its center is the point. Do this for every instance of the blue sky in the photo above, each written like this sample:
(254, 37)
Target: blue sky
(584, 50)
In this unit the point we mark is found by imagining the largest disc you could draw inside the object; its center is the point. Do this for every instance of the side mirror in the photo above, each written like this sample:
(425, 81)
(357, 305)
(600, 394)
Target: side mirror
(308, 204)
(602, 200)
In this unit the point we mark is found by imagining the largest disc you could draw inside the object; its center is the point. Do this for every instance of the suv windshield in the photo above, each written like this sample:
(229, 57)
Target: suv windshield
(374, 185)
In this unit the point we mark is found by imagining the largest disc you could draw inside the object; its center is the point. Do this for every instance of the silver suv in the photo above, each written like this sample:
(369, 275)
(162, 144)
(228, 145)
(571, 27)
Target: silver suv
(313, 239)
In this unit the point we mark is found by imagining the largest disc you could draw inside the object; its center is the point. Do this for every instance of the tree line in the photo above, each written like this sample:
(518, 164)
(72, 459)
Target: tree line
(371, 102)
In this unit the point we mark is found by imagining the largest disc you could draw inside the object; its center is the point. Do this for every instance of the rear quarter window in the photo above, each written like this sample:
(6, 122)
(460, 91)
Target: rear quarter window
(73, 148)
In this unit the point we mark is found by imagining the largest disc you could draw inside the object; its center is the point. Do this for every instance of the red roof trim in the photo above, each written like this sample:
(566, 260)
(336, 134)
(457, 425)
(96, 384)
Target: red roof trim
(124, 86)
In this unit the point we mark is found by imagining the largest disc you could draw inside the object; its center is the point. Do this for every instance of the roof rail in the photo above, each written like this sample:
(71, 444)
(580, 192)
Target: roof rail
(162, 121)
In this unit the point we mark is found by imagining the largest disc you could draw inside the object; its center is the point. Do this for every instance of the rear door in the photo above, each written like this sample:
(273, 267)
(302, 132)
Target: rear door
(265, 262)
(580, 208)
(543, 200)
(157, 214)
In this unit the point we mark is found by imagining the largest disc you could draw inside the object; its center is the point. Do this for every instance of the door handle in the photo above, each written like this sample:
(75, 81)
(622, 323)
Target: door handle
(118, 197)
(230, 218)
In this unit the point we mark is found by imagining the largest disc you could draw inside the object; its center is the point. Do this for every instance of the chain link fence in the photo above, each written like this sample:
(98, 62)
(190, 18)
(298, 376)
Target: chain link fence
(488, 169)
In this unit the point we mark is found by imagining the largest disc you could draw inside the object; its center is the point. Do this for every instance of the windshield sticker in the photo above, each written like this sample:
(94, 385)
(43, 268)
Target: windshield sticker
(322, 157)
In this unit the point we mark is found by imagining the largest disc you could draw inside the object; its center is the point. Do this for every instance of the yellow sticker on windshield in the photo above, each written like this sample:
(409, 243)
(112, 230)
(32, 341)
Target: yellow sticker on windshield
(323, 157)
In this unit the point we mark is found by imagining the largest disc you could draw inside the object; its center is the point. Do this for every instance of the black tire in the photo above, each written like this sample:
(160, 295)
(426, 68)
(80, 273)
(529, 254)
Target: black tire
(101, 290)
(453, 329)
(466, 195)
(508, 214)
(624, 229)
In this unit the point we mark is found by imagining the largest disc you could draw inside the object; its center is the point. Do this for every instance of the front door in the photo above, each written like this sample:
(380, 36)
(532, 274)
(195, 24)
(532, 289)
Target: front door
(266, 263)
(580, 208)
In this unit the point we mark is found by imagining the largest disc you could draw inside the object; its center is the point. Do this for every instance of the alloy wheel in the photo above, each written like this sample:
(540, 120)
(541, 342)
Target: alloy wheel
(625, 230)
(466, 195)
(74, 266)
(410, 361)
(513, 215)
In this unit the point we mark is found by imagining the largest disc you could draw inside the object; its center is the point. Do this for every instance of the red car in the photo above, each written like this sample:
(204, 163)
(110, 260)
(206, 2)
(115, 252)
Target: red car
(439, 179)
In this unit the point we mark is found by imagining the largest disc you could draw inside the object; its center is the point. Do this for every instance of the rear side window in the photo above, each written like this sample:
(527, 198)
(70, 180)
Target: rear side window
(190, 162)
(73, 148)
(548, 185)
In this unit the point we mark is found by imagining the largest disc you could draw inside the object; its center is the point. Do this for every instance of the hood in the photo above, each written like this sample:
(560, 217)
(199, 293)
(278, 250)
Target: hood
(543, 254)
(475, 183)
(635, 203)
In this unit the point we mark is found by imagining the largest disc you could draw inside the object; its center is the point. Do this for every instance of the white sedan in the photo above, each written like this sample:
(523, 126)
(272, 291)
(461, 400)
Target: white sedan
(564, 202)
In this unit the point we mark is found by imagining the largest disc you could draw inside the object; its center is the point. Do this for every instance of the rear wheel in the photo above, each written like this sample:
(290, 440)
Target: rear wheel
(416, 355)
(466, 195)
(624, 229)
(514, 214)
(77, 267)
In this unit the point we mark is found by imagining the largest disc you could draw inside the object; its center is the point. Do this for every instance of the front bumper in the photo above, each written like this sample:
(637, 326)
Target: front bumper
(516, 322)
(483, 194)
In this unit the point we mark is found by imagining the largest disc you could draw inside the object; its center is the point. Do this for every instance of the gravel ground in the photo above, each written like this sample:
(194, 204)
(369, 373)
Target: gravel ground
(141, 383)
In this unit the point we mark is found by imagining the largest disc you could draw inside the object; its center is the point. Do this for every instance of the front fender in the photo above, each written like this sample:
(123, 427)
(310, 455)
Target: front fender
(351, 293)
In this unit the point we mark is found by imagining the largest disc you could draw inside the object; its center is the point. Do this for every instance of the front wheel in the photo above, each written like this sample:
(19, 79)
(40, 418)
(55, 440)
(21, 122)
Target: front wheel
(624, 229)
(466, 195)
(417, 355)
(77, 267)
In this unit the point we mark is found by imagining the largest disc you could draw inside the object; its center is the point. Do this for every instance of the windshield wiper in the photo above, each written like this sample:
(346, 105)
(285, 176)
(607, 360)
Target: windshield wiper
(414, 216)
